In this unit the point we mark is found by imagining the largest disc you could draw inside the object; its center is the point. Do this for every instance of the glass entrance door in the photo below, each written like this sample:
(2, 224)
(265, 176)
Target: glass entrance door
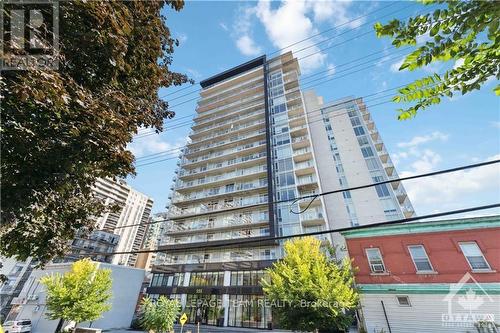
(206, 309)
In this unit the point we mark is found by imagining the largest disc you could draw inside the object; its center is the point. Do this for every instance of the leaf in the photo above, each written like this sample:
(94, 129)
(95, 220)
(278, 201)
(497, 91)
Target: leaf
(434, 29)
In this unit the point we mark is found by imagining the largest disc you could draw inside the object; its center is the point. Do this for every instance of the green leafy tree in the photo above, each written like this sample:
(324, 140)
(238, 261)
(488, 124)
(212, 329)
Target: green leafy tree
(79, 295)
(466, 32)
(311, 290)
(61, 130)
(159, 316)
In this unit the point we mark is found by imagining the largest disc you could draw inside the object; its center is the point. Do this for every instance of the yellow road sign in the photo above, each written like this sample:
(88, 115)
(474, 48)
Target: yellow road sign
(183, 319)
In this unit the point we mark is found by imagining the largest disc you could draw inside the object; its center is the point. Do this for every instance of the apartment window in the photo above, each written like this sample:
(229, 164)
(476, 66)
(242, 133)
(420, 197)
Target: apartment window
(363, 140)
(420, 258)
(355, 121)
(375, 260)
(372, 163)
(359, 131)
(352, 113)
(367, 152)
(474, 256)
(279, 108)
(382, 190)
(403, 300)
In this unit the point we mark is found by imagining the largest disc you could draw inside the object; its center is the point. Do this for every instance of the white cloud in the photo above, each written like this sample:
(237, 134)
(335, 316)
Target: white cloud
(335, 11)
(182, 38)
(395, 66)
(331, 69)
(418, 140)
(194, 74)
(223, 26)
(451, 188)
(153, 144)
(495, 124)
(289, 24)
(242, 32)
(247, 46)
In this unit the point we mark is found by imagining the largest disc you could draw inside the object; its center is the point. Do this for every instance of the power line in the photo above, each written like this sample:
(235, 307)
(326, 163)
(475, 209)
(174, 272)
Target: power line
(305, 48)
(303, 116)
(316, 233)
(323, 32)
(314, 196)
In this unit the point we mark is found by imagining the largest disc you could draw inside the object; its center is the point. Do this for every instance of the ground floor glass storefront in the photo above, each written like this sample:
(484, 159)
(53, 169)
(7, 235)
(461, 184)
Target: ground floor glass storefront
(207, 309)
(249, 311)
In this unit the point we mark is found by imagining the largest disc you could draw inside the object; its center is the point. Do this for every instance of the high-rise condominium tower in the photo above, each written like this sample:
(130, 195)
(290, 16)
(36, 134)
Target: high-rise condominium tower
(134, 209)
(350, 152)
(251, 146)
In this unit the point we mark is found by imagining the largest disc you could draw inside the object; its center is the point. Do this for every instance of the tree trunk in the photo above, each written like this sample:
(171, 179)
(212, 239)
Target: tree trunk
(59, 325)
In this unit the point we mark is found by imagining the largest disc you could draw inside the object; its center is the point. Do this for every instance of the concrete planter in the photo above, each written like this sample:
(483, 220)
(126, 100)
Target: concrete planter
(87, 330)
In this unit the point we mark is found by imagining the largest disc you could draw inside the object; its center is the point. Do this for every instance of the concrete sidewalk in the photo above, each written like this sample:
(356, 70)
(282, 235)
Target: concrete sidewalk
(208, 329)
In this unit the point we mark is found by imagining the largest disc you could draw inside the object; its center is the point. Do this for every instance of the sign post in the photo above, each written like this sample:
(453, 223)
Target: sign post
(183, 320)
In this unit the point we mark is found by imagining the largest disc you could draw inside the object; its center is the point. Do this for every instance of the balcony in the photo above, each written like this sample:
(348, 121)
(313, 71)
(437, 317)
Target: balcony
(226, 107)
(370, 126)
(226, 256)
(217, 236)
(176, 213)
(222, 178)
(216, 168)
(219, 192)
(302, 154)
(202, 129)
(231, 91)
(304, 168)
(226, 154)
(312, 217)
(219, 220)
(232, 83)
(205, 104)
(233, 140)
(298, 131)
(306, 181)
(300, 142)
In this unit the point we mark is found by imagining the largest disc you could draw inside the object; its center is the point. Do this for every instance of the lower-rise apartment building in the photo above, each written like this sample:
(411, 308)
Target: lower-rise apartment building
(251, 153)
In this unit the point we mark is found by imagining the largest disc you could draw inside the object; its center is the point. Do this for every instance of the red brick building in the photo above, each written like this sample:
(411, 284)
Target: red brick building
(447, 272)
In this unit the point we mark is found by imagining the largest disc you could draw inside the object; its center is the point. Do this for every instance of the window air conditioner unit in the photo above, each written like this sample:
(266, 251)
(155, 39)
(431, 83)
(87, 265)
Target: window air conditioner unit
(377, 268)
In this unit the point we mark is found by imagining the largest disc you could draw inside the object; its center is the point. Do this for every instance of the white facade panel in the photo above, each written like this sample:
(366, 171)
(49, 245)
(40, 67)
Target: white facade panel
(125, 289)
(427, 313)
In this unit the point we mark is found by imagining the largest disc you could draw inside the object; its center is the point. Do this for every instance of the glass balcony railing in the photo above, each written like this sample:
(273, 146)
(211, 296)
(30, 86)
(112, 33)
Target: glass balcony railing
(177, 197)
(229, 105)
(225, 152)
(247, 233)
(176, 212)
(214, 166)
(301, 151)
(231, 120)
(231, 87)
(229, 175)
(249, 85)
(229, 256)
(306, 180)
(304, 165)
(229, 140)
(314, 214)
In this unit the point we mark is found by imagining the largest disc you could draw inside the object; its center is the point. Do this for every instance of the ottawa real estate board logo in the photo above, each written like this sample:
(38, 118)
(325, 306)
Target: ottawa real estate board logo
(469, 305)
(29, 35)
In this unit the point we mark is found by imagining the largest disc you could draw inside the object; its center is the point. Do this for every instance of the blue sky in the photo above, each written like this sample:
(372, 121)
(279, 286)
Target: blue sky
(215, 36)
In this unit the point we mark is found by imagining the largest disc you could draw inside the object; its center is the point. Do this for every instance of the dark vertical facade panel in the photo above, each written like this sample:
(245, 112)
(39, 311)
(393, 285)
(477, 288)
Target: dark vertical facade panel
(270, 178)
